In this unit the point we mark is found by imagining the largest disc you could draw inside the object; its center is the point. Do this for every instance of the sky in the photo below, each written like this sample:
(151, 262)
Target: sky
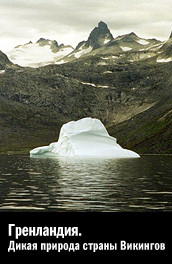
(71, 21)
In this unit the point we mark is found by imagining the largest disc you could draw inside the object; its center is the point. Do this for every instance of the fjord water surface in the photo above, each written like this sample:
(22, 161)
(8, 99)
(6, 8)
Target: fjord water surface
(70, 184)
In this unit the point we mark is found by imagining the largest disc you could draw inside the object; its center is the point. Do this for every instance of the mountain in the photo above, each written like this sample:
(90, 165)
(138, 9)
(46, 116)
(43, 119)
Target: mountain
(130, 91)
(132, 42)
(165, 52)
(99, 36)
(101, 42)
(133, 100)
(41, 53)
(4, 61)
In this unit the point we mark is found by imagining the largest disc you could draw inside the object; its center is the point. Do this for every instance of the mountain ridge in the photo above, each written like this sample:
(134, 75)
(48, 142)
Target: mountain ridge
(100, 41)
(40, 53)
(126, 83)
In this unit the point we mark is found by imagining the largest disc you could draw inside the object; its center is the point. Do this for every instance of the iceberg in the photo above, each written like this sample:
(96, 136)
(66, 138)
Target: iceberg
(86, 137)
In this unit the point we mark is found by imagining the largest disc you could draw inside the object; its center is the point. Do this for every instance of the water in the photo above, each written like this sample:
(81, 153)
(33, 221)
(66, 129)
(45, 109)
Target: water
(143, 184)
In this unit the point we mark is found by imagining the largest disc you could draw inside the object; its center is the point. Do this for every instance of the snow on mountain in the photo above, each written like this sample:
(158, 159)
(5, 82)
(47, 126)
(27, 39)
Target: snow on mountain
(99, 36)
(164, 60)
(41, 53)
(125, 48)
(106, 41)
(85, 138)
(143, 42)
(100, 42)
(165, 52)
(81, 52)
(134, 42)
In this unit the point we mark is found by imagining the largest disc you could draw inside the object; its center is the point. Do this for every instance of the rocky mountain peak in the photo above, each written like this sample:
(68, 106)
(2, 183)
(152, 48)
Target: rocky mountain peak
(41, 39)
(43, 42)
(99, 35)
(103, 26)
(130, 39)
(132, 36)
(52, 43)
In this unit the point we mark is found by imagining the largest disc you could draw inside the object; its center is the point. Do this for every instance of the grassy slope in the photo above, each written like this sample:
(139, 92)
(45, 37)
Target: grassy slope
(149, 132)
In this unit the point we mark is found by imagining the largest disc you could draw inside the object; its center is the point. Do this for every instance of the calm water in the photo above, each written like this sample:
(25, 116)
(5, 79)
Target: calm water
(143, 184)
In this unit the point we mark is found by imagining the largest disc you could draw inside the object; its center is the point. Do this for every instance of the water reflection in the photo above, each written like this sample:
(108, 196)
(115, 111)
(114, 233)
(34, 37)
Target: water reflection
(86, 184)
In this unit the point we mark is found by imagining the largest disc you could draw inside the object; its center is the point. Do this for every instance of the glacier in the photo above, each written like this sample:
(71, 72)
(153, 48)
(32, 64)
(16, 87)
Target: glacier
(86, 137)
(33, 55)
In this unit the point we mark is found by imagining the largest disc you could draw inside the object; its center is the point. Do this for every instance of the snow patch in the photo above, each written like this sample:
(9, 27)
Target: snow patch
(115, 57)
(92, 84)
(102, 63)
(106, 72)
(86, 137)
(143, 42)
(2, 71)
(104, 58)
(164, 60)
(106, 41)
(60, 62)
(82, 52)
(103, 86)
(125, 48)
(81, 47)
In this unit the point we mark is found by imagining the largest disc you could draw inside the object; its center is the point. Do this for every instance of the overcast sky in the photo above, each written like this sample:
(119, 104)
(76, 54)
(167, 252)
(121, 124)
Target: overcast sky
(71, 21)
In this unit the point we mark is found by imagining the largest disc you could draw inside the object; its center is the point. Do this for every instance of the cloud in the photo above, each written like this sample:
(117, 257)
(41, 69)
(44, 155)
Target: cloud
(71, 21)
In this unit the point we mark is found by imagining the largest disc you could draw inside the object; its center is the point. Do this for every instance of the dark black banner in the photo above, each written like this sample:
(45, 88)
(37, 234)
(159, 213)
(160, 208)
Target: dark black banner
(84, 234)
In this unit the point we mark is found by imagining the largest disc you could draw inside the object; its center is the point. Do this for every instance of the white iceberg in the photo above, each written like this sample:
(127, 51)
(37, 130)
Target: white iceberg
(86, 137)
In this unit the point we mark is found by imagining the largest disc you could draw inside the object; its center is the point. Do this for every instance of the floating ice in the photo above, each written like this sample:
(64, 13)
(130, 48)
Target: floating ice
(86, 137)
